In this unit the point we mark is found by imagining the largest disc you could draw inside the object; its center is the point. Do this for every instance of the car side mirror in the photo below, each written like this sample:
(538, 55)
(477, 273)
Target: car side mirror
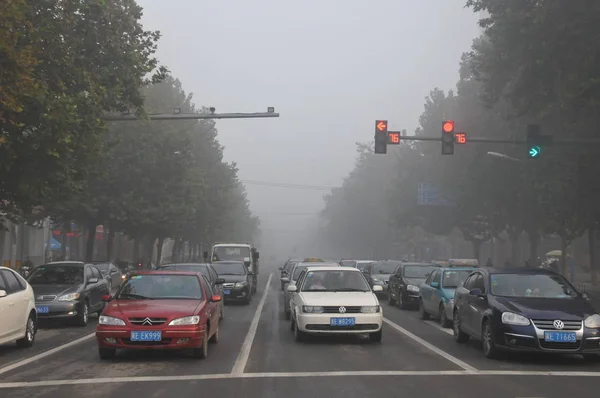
(292, 288)
(92, 281)
(215, 298)
(285, 279)
(219, 281)
(3, 293)
(435, 284)
(475, 292)
(378, 288)
(106, 298)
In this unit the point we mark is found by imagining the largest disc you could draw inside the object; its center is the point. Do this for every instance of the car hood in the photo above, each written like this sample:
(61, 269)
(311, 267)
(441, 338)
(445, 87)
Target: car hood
(233, 278)
(339, 298)
(54, 290)
(382, 277)
(152, 308)
(549, 309)
(414, 281)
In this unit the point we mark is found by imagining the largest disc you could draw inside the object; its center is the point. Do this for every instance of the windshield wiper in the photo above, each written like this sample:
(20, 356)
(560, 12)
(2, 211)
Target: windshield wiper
(134, 296)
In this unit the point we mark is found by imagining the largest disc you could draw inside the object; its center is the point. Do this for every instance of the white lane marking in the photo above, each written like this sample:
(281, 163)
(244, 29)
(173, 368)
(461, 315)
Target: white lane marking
(439, 327)
(394, 373)
(45, 353)
(242, 359)
(431, 347)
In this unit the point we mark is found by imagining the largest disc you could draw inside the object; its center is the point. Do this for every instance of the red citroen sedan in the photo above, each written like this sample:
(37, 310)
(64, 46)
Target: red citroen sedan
(160, 310)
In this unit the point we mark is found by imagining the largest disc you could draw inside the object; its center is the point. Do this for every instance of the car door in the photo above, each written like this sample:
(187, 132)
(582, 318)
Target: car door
(115, 274)
(478, 305)
(218, 289)
(467, 310)
(93, 289)
(294, 296)
(426, 291)
(9, 306)
(434, 299)
(393, 283)
(213, 308)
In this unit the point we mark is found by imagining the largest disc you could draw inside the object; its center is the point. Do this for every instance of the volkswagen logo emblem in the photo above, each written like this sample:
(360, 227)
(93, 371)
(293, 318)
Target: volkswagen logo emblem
(558, 324)
(342, 310)
(147, 322)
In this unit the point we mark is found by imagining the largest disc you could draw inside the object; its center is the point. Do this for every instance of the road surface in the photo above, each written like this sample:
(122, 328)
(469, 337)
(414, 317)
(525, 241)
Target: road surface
(257, 357)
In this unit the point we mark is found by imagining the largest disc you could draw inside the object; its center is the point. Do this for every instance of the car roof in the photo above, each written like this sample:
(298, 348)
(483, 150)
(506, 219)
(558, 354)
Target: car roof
(331, 268)
(318, 264)
(465, 268)
(227, 261)
(422, 264)
(188, 264)
(65, 262)
(520, 271)
(365, 261)
(169, 272)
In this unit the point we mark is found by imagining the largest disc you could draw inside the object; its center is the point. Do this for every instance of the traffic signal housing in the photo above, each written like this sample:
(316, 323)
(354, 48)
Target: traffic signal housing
(448, 137)
(381, 136)
(534, 141)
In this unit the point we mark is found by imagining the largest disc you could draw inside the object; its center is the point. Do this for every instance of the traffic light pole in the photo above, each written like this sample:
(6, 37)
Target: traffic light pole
(503, 141)
(190, 116)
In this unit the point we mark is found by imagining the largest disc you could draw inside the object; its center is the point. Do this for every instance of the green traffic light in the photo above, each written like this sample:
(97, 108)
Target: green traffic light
(535, 151)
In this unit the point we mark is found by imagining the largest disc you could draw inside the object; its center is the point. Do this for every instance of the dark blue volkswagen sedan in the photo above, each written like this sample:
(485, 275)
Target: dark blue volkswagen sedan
(525, 310)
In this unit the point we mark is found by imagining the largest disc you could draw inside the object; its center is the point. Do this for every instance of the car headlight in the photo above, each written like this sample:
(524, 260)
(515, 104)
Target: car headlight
(110, 320)
(241, 284)
(369, 309)
(69, 297)
(312, 309)
(412, 288)
(123, 276)
(510, 318)
(186, 320)
(592, 321)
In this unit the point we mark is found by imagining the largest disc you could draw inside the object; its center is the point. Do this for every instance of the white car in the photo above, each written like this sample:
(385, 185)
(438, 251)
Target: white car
(17, 309)
(335, 300)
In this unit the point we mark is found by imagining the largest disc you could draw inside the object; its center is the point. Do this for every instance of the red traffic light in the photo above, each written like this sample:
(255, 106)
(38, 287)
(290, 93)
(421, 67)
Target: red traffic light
(448, 126)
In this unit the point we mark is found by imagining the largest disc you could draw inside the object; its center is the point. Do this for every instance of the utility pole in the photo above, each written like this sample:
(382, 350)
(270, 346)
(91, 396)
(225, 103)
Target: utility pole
(177, 115)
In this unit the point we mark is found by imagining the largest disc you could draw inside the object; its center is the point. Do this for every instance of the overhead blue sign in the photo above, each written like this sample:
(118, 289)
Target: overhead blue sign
(429, 195)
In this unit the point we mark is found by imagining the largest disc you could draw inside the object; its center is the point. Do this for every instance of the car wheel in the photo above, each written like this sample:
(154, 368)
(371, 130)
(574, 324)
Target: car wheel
(459, 335)
(202, 351)
(422, 313)
(222, 316)
(248, 299)
(391, 300)
(488, 341)
(84, 315)
(215, 337)
(376, 336)
(292, 325)
(30, 331)
(401, 301)
(299, 335)
(106, 353)
(444, 321)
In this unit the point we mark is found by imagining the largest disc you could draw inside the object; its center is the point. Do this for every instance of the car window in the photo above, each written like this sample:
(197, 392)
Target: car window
(57, 275)
(470, 282)
(418, 271)
(479, 284)
(208, 286)
(12, 283)
(383, 268)
(213, 274)
(161, 286)
(301, 277)
(453, 279)
(335, 281)
(96, 272)
(540, 286)
(430, 278)
(88, 273)
(2, 283)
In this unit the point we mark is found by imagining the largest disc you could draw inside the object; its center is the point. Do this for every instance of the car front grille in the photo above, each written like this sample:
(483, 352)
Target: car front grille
(45, 298)
(364, 326)
(549, 324)
(144, 321)
(336, 309)
(560, 345)
(146, 343)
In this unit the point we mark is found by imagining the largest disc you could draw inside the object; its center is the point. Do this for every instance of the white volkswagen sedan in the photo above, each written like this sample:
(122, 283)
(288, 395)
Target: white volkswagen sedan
(18, 317)
(335, 300)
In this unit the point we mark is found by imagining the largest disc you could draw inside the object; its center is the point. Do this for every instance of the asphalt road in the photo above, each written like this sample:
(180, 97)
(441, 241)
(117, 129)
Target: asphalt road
(257, 357)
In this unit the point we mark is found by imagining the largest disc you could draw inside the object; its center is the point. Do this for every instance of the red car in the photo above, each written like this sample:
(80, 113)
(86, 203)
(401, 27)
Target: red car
(160, 310)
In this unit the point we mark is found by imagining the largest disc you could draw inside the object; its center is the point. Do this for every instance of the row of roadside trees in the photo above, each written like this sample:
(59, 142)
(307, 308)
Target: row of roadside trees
(532, 65)
(63, 65)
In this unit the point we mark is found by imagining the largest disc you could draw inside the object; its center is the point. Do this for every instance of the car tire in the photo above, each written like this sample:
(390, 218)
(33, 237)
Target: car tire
(106, 353)
(83, 316)
(248, 299)
(459, 335)
(391, 300)
(202, 351)
(490, 350)
(222, 315)
(30, 331)
(375, 337)
(444, 321)
(422, 312)
(401, 301)
(215, 337)
(299, 335)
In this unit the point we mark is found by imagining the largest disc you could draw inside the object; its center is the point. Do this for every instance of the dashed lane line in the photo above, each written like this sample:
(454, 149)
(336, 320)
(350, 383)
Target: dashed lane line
(439, 327)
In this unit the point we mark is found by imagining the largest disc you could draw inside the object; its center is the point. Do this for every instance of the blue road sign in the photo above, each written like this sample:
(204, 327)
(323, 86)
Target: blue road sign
(429, 195)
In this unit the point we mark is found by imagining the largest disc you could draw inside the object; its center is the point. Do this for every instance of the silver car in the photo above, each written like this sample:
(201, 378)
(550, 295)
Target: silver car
(291, 279)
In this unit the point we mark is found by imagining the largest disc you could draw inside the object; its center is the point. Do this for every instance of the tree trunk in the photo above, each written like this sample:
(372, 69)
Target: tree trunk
(91, 240)
(159, 250)
(513, 236)
(592, 250)
(136, 251)
(477, 248)
(563, 256)
(534, 240)
(174, 251)
(190, 250)
(110, 237)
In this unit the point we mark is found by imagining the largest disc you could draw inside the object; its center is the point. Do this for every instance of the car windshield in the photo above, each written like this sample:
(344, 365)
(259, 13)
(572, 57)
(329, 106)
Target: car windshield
(298, 270)
(418, 271)
(103, 267)
(384, 268)
(236, 253)
(185, 267)
(531, 285)
(157, 286)
(362, 265)
(348, 263)
(57, 275)
(232, 268)
(335, 281)
(454, 279)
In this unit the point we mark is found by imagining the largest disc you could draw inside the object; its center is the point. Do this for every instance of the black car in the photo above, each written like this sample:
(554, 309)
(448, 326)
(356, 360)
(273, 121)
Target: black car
(379, 273)
(286, 269)
(68, 290)
(110, 272)
(238, 280)
(525, 309)
(405, 281)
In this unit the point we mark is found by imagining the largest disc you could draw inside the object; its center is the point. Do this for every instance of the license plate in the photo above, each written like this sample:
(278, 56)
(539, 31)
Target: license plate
(146, 336)
(342, 321)
(227, 291)
(560, 337)
(42, 310)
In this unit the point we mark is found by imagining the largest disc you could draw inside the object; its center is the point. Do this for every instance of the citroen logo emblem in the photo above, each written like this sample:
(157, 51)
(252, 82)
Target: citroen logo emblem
(558, 324)
(342, 310)
(147, 322)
